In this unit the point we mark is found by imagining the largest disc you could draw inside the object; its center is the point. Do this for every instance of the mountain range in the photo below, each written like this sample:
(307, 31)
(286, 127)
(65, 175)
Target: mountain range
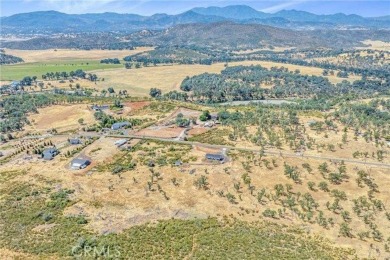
(57, 22)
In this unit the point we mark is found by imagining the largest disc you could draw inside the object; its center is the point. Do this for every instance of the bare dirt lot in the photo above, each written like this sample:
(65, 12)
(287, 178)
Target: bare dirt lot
(162, 132)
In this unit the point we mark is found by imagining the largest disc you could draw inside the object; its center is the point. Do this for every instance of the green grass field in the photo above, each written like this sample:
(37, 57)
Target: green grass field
(18, 71)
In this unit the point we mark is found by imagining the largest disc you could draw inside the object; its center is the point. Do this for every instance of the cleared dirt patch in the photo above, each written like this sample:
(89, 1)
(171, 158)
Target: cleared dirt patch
(197, 131)
(137, 105)
(163, 132)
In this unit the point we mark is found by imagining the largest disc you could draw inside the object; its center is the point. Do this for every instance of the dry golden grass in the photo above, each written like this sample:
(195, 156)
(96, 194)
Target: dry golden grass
(138, 81)
(112, 203)
(72, 54)
(6, 254)
(60, 117)
(276, 49)
(376, 45)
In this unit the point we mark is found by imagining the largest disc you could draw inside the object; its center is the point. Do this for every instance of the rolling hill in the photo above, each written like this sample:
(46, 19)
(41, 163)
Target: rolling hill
(57, 22)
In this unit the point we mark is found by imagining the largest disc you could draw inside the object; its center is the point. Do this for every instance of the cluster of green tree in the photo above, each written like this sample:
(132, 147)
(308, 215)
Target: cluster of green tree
(137, 65)
(292, 58)
(79, 73)
(9, 59)
(190, 54)
(373, 118)
(111, 61)
(14, 109)
(181, 121)
(372, 59)
(106, 121)
(83, 41)
(246, 83)
(267, 120)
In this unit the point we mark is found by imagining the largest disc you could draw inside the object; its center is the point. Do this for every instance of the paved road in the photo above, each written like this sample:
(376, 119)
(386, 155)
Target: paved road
(213, 146)
(279, 153)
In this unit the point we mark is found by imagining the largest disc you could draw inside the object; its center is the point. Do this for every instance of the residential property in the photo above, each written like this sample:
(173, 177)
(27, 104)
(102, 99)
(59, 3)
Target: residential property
(79, 163)
(208, 124)
(50, 153)
(215, 157)
(15, 84)
(100, 108)
(121, 142)
(214, 116)
(119, 125)
(178, 163)
(74, 141)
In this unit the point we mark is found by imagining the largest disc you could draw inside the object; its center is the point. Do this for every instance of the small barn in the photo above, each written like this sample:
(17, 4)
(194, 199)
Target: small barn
(79, 163)
(74, 141)
(215, 157)
(117, 126)
(121, 142)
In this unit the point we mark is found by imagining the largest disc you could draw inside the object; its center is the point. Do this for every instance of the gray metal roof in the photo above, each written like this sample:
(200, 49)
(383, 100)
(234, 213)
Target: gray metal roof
(218, 157)
(119, 125)
(50, 151)
(80, 161)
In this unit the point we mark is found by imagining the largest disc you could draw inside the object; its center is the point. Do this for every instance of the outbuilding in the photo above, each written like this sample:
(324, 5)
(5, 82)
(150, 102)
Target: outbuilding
(79, 163)
(74, 141)
(215, 157)
(117, 126)
(49, 153)
(121, 142)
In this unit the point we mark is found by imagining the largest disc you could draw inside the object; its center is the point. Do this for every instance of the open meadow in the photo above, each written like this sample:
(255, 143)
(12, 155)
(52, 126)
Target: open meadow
(138, 82)
(38, 62)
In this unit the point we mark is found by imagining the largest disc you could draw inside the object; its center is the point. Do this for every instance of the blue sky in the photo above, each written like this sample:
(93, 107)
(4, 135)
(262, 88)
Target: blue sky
(148, 7)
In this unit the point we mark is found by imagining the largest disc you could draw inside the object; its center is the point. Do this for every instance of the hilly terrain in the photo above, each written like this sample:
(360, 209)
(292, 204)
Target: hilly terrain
(224, 35)
(57, 22)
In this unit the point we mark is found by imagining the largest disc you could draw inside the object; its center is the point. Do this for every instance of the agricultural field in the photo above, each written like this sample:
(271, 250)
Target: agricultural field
(164, 77)
(39, 62)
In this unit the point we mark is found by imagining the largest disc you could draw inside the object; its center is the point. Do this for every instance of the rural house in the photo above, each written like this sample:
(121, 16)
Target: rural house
(49, 153)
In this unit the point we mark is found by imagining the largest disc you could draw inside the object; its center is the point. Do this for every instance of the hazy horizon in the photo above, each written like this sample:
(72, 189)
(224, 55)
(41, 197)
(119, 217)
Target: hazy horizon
(149, 7)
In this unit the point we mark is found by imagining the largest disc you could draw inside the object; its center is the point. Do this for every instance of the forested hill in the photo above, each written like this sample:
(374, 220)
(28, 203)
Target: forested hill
(220, 35)
(57, 22)
(235, 35)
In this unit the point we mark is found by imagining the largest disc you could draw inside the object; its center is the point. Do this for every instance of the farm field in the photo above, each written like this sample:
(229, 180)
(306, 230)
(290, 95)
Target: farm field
(72, 54)
(19, 71)
(39, 62)
(136, 81)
